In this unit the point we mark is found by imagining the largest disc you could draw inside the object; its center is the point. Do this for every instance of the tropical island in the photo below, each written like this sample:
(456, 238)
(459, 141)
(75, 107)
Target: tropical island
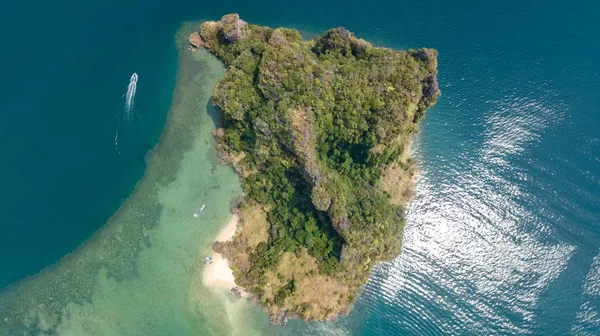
(319, 131)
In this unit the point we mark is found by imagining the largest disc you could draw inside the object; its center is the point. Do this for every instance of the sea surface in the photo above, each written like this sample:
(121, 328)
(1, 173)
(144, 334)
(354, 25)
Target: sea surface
(96, 236)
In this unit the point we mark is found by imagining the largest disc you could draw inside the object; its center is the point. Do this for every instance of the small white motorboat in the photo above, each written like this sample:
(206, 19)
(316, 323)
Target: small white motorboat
(201, 209)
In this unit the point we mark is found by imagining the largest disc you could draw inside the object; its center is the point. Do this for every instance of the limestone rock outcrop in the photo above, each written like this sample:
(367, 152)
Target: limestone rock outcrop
(195, 40)
(234, 28)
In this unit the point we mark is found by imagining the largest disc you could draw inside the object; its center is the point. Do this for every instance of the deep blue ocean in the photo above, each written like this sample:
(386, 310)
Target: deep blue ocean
(503, 236)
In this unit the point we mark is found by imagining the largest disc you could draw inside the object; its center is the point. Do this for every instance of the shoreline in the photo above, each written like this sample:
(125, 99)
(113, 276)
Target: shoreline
(219, 274)
(118, 283)
(319, 252)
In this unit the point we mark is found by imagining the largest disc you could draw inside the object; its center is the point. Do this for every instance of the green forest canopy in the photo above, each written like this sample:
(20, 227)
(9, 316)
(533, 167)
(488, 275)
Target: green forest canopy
(324, 126)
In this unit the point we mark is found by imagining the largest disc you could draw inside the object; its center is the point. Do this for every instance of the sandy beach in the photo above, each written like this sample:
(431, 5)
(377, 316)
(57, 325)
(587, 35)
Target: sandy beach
(218, 274)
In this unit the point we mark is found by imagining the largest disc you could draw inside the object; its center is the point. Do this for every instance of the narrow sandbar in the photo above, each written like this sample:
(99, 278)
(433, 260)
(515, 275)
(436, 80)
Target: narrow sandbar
(219, 274)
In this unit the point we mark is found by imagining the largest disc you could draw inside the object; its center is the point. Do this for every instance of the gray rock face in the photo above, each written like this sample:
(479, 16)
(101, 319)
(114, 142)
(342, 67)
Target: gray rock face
(320, 198)
(280, 318)
(234, 28)
(432, 90)
(236, 292)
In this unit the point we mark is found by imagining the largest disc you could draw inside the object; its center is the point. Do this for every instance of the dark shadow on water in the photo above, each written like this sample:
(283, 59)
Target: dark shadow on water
(214, 113)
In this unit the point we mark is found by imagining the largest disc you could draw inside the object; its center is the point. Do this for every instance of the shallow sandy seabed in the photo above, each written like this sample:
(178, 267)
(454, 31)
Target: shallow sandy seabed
(141, 274)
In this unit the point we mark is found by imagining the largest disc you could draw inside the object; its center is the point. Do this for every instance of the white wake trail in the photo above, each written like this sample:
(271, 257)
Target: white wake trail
(130, 96)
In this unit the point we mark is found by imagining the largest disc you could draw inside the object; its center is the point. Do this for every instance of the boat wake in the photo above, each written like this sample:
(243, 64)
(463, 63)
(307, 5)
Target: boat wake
(130, 96)
(127, 115)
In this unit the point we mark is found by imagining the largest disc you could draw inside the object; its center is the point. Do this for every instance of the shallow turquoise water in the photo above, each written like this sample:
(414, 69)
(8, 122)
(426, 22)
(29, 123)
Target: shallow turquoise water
(502, 237)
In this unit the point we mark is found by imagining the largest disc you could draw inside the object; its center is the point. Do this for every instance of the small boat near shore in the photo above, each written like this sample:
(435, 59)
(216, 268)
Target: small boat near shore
(201, 209)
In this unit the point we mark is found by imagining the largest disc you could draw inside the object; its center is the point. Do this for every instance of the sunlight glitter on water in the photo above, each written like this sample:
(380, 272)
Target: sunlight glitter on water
(588, 317)
(465, 237)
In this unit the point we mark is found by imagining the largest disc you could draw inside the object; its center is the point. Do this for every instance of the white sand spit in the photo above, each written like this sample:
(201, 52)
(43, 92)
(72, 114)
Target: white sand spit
(218, 274)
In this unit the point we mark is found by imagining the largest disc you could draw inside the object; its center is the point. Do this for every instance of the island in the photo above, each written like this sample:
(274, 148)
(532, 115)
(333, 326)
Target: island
(319, 131)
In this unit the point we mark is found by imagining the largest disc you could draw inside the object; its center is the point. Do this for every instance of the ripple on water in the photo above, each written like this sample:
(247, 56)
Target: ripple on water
(468, 259)
(588, 316)
(474, 261)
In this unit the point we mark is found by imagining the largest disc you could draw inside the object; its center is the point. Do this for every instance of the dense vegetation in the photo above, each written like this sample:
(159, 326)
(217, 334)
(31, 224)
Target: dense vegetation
(319, 132)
